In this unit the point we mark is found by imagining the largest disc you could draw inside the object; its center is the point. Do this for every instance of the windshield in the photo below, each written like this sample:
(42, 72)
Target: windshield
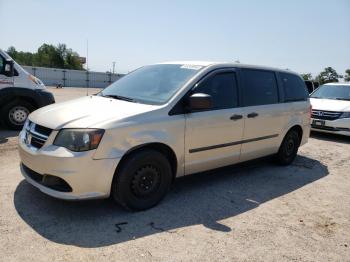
(154, 84)
(341, 92)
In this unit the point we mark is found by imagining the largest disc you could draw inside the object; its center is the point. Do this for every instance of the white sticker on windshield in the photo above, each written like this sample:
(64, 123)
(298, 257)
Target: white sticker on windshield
(192, 67)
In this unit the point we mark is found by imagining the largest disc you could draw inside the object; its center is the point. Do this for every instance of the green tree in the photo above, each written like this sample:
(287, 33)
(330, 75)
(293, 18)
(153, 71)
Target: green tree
(306, 76)
(48, 56)
(347, 75)
(24, 58)
(329, 75)
(12, 51)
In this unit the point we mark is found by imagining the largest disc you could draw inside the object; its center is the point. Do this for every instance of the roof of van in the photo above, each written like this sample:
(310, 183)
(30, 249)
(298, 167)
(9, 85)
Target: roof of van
(239, 65)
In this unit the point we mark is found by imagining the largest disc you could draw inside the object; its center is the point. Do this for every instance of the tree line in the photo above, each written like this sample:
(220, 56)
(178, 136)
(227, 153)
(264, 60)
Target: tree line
(65, 58)
(328, 75)
(48, 56)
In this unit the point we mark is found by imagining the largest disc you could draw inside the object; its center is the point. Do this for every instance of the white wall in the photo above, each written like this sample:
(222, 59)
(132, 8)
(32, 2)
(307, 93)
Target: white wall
(72, 78)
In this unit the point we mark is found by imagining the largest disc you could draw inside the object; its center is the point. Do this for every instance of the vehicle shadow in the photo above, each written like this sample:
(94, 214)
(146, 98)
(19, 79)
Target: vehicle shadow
(6, 134)
(203, 199)
(330, 137)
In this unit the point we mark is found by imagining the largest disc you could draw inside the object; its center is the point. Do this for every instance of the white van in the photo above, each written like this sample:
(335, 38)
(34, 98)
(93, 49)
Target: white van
(20, 93)
(160, 122)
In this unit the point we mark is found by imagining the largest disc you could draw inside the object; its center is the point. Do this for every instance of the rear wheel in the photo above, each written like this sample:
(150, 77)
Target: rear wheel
(15, 113)
(143, 180)
(289, 148)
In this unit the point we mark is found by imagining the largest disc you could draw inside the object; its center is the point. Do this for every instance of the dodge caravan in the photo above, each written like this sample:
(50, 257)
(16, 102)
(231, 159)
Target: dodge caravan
(160, 122)
(20, 93)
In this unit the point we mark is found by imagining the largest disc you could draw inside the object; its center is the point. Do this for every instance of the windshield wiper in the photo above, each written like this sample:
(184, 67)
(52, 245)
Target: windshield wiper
(120, 98)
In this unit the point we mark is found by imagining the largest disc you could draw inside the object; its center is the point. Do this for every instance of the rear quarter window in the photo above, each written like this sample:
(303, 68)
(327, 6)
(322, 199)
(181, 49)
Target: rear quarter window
(294, 88)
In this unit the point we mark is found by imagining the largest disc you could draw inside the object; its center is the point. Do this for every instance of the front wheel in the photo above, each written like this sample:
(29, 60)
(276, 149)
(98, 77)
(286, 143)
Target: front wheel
(15, 113)
(289, 148)
(143, 180)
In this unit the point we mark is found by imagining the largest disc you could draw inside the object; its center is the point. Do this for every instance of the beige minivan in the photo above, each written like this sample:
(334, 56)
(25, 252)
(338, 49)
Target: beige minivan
(160, 122)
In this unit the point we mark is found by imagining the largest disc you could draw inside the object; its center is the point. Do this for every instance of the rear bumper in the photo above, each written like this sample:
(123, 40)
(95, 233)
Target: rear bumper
(88, 178)
(339, 126)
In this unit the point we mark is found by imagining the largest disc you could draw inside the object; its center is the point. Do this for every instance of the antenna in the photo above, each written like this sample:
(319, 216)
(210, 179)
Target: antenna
(87, 67)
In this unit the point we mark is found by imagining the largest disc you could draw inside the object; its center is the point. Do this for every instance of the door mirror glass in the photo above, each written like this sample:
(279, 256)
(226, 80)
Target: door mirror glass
(8, 68)
(200, 101)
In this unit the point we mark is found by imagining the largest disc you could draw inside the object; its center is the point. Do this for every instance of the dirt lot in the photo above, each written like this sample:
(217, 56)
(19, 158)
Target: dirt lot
(253, 212)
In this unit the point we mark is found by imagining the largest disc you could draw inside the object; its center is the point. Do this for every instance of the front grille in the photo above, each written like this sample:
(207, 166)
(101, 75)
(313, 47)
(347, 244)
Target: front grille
(50, 181)
(36, 135)
(43, 130)
(325, 115)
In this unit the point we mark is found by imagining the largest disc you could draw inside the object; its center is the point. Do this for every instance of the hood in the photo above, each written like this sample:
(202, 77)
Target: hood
(330, 105)
(86, 112)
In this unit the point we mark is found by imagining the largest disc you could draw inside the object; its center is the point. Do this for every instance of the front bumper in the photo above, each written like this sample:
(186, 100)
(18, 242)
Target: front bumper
(339, 126)
(45, 97)
(88, 178)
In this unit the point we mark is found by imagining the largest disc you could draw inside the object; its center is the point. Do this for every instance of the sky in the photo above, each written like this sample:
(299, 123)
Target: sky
(302, 35)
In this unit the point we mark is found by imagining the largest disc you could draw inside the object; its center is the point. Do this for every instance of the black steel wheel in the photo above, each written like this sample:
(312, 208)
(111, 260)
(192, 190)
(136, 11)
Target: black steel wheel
(289, 148)
(143, 180)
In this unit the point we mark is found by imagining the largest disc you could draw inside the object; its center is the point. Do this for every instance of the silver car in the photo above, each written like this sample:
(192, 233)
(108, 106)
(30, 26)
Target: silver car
(160, 122)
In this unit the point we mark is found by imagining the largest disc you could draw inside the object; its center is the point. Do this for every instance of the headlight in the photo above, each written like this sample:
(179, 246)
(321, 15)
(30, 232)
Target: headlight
(79, 140)
(26, 124)
(34, 79)
(345, 115)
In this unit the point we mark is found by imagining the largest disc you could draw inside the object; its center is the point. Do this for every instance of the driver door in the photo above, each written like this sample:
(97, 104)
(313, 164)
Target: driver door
(212, 137)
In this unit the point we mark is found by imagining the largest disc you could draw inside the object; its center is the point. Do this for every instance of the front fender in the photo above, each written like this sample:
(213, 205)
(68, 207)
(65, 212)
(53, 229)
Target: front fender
(119, 141)
(112, 147)
(38, 97)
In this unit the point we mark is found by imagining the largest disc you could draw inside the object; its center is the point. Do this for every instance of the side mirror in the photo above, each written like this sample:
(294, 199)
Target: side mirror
(8, 68)
(200, 101)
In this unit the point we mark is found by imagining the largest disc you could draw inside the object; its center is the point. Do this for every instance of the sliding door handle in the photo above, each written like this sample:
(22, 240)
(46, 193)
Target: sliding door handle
(252, 115)
(236, 117)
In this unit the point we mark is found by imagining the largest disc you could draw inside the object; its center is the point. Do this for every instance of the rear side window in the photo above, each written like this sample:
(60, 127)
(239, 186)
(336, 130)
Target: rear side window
(259, 87)
(223, 89)
(294, 88)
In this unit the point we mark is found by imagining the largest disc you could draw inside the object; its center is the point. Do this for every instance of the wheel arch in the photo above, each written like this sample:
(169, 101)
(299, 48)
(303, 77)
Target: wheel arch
(158, 146)
(28, 99)
(8, 95)
(298, 129)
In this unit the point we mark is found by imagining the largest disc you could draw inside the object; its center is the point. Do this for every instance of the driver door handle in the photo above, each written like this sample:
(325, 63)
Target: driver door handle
(252, 115)
(236, 117)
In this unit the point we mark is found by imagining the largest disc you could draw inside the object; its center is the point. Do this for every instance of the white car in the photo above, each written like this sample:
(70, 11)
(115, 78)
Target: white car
(160, 122)
(331, 109)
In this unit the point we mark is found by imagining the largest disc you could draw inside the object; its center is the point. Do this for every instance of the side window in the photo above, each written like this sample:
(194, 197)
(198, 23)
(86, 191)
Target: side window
(259, 87)
(294, 88)
(223, 89)
(2, 64)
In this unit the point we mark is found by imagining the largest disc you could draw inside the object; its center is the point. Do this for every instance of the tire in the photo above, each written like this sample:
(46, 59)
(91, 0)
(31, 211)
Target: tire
(15, 113)
(289, 148)
(142, 181)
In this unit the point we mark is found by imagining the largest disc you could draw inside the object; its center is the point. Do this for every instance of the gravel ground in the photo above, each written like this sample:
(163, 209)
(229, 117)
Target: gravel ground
(252, 212)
